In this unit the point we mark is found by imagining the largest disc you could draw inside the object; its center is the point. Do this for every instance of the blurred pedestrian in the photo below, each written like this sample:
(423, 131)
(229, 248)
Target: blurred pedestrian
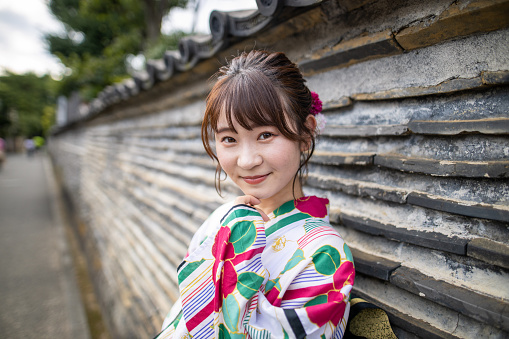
(29, 146)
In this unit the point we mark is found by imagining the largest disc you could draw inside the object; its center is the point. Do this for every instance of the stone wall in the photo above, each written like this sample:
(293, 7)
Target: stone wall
(414, 159)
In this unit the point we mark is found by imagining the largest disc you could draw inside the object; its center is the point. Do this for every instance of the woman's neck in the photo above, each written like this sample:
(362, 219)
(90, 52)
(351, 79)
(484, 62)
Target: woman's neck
(269, 205)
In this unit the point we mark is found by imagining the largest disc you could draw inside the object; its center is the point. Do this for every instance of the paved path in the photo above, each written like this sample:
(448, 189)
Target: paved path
(39, 297)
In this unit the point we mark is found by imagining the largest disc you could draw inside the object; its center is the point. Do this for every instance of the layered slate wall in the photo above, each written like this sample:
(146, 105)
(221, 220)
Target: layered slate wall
(414, 159)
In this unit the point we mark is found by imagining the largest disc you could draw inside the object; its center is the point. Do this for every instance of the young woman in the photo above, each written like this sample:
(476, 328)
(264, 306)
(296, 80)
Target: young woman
(268, 264)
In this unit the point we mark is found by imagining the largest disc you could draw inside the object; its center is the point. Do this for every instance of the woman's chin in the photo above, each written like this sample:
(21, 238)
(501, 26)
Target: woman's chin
(257, 194)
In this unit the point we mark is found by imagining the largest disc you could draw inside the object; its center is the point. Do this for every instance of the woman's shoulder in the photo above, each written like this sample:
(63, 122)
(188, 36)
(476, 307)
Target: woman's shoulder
(322, 242)
(210, 225)
(220, 212)
(215, 217)
(320, 231)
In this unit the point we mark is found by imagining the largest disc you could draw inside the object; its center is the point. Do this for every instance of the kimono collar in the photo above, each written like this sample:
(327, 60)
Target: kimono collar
(296, 210)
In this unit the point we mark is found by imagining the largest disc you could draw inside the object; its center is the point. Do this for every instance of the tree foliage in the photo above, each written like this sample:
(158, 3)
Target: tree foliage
(27, 104)
(100, 34)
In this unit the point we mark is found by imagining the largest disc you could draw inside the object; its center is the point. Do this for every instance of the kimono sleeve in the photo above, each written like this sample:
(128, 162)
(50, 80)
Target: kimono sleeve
(241, 280)
(310, 298)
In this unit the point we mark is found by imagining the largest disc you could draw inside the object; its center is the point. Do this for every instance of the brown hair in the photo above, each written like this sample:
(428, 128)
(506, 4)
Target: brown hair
(259, 88)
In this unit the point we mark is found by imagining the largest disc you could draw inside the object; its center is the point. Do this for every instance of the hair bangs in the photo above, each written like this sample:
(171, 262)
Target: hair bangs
(252, 100)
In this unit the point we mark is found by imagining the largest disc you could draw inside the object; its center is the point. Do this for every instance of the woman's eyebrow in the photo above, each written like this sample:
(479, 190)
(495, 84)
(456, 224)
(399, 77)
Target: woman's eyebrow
(224, 129)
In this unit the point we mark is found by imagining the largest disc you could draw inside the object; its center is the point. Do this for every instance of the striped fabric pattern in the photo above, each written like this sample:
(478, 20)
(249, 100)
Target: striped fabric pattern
(288, 277)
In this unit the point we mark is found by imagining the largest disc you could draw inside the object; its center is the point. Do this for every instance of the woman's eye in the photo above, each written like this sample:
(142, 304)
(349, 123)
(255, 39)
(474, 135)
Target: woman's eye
(265, 135)
(228, 140)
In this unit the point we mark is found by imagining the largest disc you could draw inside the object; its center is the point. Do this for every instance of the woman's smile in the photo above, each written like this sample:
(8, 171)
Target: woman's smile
(255, 179)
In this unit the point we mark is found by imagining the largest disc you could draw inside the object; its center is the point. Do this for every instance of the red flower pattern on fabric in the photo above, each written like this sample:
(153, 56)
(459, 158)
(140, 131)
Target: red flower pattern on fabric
(314, 206)
(229, 275)
(223, 252)
(334, 309)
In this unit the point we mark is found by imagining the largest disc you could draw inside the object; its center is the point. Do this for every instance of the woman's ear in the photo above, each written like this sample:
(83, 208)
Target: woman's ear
(310, 123)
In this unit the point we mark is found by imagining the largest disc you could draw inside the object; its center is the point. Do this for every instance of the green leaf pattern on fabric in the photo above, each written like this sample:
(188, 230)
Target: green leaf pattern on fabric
(285, 208)
(321, 299)
(243, 236)
(326, 260)
(248, 284)
(297, 257)
(240, 214)
(271, 283)
(348, 253)
(231, 313)
(188, 269)
(223, 332)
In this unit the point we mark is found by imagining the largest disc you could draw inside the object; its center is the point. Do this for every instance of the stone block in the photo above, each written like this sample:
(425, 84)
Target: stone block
(339, 158)
(357, 187)
(495, 78)
(433, 240)
(458, 20)
(373, 266)
(364, 130)
(340, 103)
(349, 52)
(467, 208)
(482, 126)
(449, 86)
(489, 251)
(484, 308)
(466, 169)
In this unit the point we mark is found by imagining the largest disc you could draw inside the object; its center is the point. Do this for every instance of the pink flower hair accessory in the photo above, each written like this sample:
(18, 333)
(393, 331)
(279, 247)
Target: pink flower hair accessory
(316, 104)
(316, 110)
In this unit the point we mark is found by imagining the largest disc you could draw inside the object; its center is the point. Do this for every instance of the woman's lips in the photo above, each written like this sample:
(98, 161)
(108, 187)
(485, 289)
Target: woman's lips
(255, 179)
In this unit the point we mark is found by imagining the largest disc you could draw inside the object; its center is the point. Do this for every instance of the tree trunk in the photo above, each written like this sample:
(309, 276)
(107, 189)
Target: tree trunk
(154, 12)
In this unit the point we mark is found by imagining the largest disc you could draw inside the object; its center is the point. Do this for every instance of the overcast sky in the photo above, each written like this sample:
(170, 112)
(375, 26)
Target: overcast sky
(23, 24)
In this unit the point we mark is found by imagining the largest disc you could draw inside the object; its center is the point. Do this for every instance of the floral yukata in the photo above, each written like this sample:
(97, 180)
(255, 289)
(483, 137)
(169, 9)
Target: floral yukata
(289, 277)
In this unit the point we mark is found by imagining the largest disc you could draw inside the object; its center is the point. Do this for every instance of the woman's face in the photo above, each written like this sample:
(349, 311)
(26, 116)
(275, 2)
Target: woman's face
(261, 162)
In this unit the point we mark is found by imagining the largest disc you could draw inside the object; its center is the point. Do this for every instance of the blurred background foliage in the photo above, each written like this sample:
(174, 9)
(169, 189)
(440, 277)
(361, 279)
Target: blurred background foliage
(101, 35)
(27, 104)
(100, 38)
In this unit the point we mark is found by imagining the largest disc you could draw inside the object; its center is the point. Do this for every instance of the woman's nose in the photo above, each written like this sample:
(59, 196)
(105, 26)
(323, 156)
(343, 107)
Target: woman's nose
(249, 157)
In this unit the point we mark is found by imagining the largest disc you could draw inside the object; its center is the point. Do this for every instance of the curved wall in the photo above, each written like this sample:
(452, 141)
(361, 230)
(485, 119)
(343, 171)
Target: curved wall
(414, 159)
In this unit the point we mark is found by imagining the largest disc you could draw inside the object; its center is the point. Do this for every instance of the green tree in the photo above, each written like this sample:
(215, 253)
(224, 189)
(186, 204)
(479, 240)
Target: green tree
(27, 104)
(154, 11)
(100, 34)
